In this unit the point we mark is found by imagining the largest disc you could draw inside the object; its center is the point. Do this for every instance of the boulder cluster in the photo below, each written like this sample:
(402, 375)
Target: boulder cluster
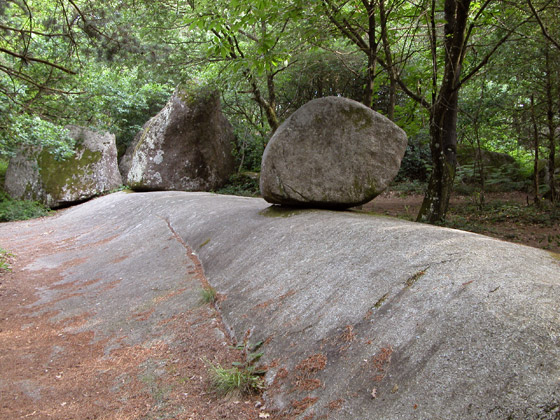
(186, 146)
(331, 153)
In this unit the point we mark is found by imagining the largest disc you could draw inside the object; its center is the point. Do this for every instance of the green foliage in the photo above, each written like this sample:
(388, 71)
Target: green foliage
(243, 377)
(3, 168)
(5, 257)
(416, 163)
(117, 99)
(244, 184)
(507, 177)
(23, 130)
(11, 210)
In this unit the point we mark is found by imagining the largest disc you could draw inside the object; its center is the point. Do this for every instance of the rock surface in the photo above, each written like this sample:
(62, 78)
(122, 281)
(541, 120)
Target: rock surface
(333, 153)
(186, 146)
(363, 317)
(93, 170)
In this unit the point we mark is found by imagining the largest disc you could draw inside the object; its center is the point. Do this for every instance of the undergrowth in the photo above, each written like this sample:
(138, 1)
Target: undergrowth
(242, 378)
(244, 184)
(501, 211)
(5, 260)
(11, 210)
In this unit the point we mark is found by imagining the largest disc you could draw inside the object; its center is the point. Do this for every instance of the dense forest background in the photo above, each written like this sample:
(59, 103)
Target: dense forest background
(459, 76)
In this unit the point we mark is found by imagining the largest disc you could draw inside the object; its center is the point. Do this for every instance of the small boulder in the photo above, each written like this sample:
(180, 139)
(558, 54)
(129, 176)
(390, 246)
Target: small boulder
(35, 174)
(331, 153)
(186, 146)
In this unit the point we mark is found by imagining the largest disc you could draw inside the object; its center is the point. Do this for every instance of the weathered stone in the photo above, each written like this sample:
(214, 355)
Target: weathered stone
(332, 152)
(35, 174)
(186, 146)
(361, 317)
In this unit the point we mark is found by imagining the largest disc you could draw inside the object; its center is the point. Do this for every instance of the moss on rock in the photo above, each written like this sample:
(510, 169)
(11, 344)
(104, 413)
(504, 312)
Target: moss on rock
(69, 177)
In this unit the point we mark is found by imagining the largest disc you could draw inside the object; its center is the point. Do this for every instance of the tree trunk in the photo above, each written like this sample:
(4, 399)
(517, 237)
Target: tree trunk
(481, 170)
(536, 145)
(551, 129)
(443, 145)
(370, 81)
(268, 106)
(443, 116)
(389, 61)
(372, 56)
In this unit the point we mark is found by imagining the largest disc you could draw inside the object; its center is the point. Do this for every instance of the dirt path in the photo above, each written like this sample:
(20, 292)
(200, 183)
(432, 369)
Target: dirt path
(507, 216)
(56, 366)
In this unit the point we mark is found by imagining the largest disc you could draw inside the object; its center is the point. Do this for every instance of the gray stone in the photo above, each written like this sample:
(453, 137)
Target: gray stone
(362, 317)
(35, 174)
(186, 146)
(333, 153)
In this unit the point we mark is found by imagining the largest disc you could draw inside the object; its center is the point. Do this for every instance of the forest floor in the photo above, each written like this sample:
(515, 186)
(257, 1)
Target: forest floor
(510, 216)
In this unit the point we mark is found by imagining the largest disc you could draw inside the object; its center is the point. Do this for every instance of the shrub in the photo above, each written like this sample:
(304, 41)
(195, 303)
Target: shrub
(507, 177)
(416, 164)
(244, 183)
(11, 210)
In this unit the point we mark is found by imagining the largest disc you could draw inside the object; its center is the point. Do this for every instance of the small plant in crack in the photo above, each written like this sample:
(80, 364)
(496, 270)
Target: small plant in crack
(208, 295)
(242, 378)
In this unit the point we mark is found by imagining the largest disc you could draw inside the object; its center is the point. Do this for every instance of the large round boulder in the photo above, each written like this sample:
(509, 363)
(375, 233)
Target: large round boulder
(36, 174)
(185, 147)
(331, 153)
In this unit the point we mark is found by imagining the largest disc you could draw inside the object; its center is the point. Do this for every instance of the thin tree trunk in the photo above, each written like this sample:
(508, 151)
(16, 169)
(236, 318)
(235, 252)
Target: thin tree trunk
(551, 129)
(268, 106)
(480, 160)
(480, 164)
(389, 60)
(536, 145)
(443, 118)
(372, 56)
(370, 82)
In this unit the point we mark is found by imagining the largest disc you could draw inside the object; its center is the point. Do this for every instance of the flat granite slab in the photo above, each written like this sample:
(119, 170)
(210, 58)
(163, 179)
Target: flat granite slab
(362, 316)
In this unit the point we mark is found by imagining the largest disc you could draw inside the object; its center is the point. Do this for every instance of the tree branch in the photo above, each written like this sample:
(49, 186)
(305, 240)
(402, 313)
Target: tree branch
(37, 60)
(11, 72)
(541, 24)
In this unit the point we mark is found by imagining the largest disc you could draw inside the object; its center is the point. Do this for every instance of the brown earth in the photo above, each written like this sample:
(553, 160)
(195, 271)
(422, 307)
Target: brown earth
(510, 216)
(50, 372)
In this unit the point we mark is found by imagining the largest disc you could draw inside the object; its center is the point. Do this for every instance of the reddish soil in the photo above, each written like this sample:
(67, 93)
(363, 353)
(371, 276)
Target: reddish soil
(50, 373)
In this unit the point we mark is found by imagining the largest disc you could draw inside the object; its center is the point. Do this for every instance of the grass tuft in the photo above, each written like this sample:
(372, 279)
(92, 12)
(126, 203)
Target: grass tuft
(243, 378)
(208, 295)
(235, 380)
